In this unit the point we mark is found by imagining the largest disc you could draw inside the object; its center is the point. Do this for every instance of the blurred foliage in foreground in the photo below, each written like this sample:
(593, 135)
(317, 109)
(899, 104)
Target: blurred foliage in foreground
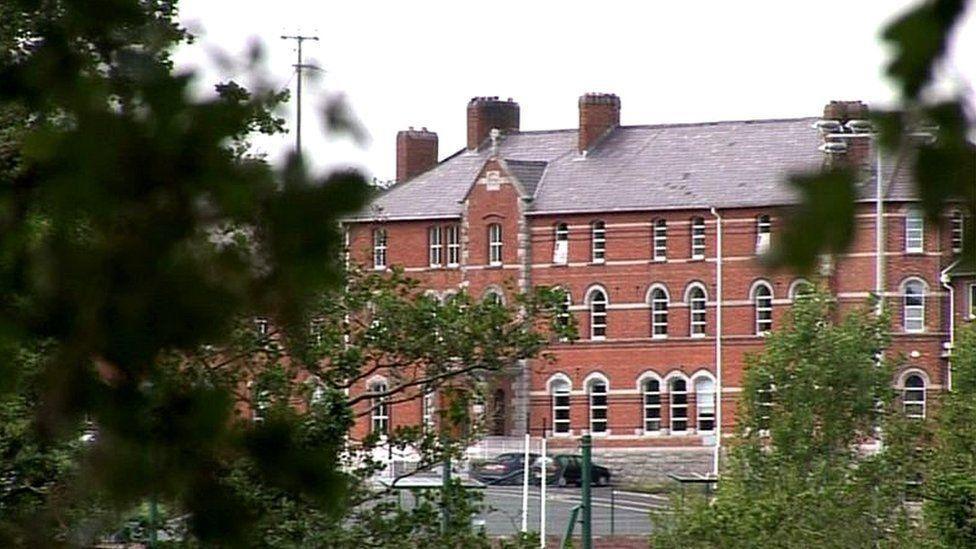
(139, 237)
(120, 206)
(943, 167)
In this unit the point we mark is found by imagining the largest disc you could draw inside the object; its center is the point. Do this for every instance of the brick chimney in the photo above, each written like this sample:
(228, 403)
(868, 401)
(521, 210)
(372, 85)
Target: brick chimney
(416, 153)
(858, 153)
(598, 114)
(485, 113)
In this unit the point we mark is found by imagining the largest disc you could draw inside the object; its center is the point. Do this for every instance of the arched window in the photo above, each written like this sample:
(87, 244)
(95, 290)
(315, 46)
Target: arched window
(598, 313)
(762, 297)
(913, 396)
(913, 308)
(914, 231)
(596, 390)
(660, 240)
(705, 403)
(958, 230)
(659, 313)
(494, 244)
(494, 296)
(559, 388)
(599, 240)
(651, 389)
(763, 229)
(379, 248)
(800, 288)
(380, 411)
(698, 238)
(560, 252)
(697, 302)
(435, 246)
(678, 389)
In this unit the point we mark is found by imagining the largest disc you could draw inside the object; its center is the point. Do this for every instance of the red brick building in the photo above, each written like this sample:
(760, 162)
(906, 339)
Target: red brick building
(655, 232)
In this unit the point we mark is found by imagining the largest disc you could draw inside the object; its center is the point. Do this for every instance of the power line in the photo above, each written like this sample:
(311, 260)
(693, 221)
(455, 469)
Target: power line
(299, 38)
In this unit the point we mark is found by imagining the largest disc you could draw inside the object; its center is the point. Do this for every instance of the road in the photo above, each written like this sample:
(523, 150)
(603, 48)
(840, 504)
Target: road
(630, 516)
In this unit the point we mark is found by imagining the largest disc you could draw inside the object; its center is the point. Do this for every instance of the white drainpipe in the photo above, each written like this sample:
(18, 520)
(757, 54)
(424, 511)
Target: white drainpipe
(944, 279)
(879, 248)
(718, 339)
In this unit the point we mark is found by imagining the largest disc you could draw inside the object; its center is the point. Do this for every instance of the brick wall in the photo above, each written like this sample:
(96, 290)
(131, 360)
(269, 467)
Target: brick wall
(627, 274)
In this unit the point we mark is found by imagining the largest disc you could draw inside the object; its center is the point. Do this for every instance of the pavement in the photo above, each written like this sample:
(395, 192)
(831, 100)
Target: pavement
(615, 511)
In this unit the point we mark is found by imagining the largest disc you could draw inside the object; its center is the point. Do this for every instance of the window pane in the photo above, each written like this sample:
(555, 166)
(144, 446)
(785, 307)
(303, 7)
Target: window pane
(599, 241)
(914, 231)
(660, 240)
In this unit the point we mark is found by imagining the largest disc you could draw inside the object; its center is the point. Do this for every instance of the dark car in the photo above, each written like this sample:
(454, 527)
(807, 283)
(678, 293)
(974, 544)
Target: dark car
(566, 469)
(503, 469)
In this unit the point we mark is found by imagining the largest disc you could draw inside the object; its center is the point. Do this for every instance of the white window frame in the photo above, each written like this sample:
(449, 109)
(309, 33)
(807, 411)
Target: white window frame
(262, 326)
(651, 404)
(560, 390)
(435, 242)
(596, 315)
(957, 231)
(565, 312)
(380, 244)
(428, 407)
(704, 414)
(800, 288)
(659, 302)
(913, 314)
(598, 232)
(598, 426)
(913, 398)
(972, 302)
(379, 413)
(763, 234)
(763, 307)
(495, 244)
(698, 244)
(697, 310)
(914, 231)
(560, 249)
(453, 245)
(674, 406)
(495, 295)
(660, 236)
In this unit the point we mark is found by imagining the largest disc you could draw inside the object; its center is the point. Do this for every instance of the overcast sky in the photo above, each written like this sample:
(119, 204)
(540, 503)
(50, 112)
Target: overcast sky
(417, 63)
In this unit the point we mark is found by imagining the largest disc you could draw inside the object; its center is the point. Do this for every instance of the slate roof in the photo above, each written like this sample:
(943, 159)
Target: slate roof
(672, 166)
(528, 172)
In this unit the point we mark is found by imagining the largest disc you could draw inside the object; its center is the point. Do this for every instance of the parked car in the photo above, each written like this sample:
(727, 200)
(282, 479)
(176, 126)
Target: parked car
(504, 469)
(566, 469)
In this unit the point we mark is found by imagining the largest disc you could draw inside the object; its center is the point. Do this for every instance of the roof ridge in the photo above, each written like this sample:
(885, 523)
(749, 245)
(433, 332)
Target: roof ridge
(681, 124)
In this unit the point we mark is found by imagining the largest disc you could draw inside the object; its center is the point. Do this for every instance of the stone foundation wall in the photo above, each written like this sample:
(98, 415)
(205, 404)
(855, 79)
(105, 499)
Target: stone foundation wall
(652, 465)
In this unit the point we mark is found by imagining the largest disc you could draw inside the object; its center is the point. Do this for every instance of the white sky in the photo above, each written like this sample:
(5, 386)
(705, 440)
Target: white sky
(416, 63)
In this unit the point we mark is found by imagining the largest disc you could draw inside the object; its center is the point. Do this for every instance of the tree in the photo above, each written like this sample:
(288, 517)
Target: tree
(950, 493)
(377, 324)
(132, 229)
(804, 470)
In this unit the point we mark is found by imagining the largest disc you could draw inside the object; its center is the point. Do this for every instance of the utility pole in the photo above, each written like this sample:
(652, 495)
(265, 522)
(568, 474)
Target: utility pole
(299, 38)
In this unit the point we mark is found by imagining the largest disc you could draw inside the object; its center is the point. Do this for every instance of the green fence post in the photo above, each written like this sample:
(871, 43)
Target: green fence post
(568, 536)
(445, 497)
(587, 507)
